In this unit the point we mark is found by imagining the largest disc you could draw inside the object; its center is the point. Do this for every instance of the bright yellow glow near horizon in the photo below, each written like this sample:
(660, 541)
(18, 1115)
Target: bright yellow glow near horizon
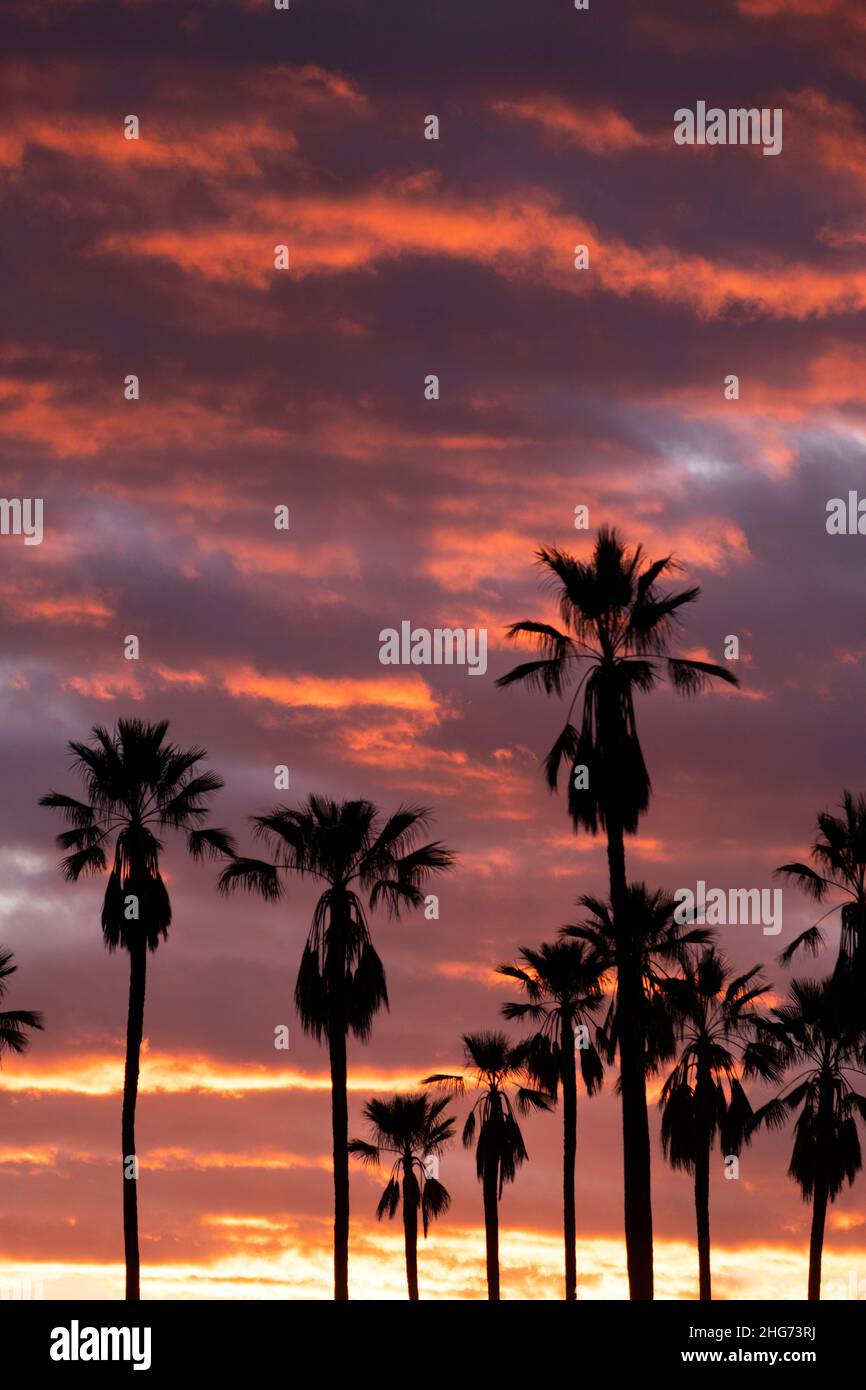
(451, 1265)
(102, 1075)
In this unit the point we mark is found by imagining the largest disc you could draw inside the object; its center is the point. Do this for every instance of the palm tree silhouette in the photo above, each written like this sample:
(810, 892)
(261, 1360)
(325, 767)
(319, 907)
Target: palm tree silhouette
(138, 786)
(563, 984)
(496, 1066)
(412, 1129)
(703, 1097)
(13, 1022)
(617, 629)
(650, 948)
(839, 856)
(341, 982)
(820, 1031)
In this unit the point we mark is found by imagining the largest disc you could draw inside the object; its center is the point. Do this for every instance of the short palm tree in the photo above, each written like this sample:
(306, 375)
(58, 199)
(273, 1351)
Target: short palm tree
(819, 1030)
(357, 856)
(411, 1130)
(138, 786)
(839, 857)
(14, 1022)
(703, 1098)
(563, 986)
(613, 644)
(496, 1067)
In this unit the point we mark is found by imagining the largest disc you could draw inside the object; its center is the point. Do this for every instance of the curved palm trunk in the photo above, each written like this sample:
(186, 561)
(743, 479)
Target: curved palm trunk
(632, 1062)
(134, 1032)
(702, 1215)
(816, 1239)
(410, 1229)
(490, 1189)
(569, 1154)
(340, 1132)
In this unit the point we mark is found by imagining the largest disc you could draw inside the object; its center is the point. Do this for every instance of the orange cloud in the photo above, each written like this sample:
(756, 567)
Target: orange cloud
(177, 1157)
(307, 86)
(29, 603)
(174, 1158)
(807, 9)
(846, 1220)
(109, 686)
(27, 1158)
(471, 970)
(336, 560)
(462, 560)
(206, 149)
(171, 677)
(41, 412)
(832, 132)
(528, 237)
(185, 136)
(337, 693)
(600, 129)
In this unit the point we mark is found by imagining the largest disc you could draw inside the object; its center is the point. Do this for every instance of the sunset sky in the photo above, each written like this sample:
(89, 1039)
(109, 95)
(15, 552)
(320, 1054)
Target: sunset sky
(305, 388)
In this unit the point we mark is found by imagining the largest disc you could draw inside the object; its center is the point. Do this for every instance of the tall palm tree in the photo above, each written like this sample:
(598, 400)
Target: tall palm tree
(13, 1022)
(496, 1066)
(346, 846)
(703, 1097)
(614, 642)
(839, 856)
(652, 946)
(411, 1129)
(563, 985)
(138, 786)
(819, 1030)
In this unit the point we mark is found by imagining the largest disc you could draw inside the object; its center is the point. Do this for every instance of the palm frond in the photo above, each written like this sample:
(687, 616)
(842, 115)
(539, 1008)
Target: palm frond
(211, 842)
(255, 875)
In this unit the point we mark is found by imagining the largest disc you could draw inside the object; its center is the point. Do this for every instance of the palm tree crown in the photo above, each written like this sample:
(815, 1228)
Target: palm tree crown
(411, 1129)
(138, 786)
(839, 856)
(357, 855)
(496, 1067)
(617, 629)
(563, 984)
(703, 1097)
(817, 1030)
(13, 1022)
(654, 946)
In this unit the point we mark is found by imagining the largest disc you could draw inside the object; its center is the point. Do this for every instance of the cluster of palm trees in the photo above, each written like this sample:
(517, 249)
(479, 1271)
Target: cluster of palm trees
(613, 642)
(699, 1016)
(628, 983)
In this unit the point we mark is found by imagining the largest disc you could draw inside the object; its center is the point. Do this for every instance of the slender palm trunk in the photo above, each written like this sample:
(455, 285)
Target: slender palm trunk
(340, 1131)
(702, 1215)
(816, 1239)
(569, 1153)
(134, 1032)
(490, 1189)
(821, 1190)
(410, 1228)
(632, 1064)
